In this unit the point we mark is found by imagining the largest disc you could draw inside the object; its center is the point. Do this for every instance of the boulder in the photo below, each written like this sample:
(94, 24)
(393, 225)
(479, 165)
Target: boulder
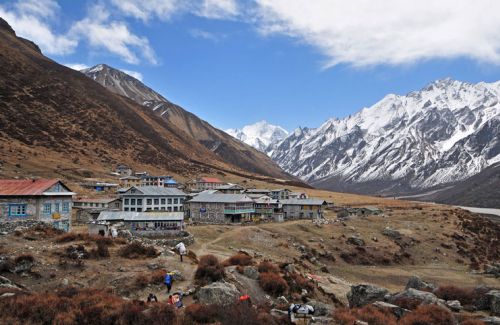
(153, 266)
(278, 313)
(391, 233)
(364, 294)
(321, 309)
(494, 298)
(24, 265)
(282, 301)
(424, 297)
(493, 269)
(483, 301)
(356, 241)
(394, 309)
(218, 293)
(416, 283)
(491, 320)
(177, 275)
(251, 272)
(290, 268)
(454, 305)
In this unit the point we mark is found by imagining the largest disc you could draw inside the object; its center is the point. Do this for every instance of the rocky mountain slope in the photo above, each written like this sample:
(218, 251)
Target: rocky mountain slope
(62, 124)
(446, 132)
(259, 135)
(226, 147)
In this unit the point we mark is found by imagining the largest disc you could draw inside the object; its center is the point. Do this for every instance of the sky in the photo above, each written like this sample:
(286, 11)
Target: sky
(290, 62)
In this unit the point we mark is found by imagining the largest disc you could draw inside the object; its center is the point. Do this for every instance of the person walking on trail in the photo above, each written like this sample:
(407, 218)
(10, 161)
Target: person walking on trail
(181, 248)
(168, 281)
(152, 298)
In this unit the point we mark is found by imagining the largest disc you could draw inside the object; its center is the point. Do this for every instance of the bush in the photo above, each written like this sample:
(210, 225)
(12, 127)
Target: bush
(70, 237)
(158, 277)
(297, 282)
(428, 314)
(466, 296)
(369, 314)
(101, 251)
(209, 270)
(138, 250)
(407, 303)
(201, 313)
(473, 322)
(241, 259)
(24, 258)
(268, 267)
(344, 316)
(273, 283)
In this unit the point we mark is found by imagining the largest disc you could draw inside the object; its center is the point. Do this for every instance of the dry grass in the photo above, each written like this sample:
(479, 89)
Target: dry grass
(273, 283)
(138, 250)
(209, 270)
(240, 259)
(428, 314)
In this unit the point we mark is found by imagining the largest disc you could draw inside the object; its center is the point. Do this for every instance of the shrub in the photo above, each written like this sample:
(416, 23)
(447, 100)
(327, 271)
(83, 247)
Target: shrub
(201, 313)
(297, 282)
(273, 283)
(70, 237)
(157, 277)
(407, 303)
(161, 314)
(267, 266)
(344, 316)
(428, 314)
(101, 251)
(240, 258)
(24, 258)
(466, 296)
(138, 250)
(473, 322)
(209, 270)
(369, 314)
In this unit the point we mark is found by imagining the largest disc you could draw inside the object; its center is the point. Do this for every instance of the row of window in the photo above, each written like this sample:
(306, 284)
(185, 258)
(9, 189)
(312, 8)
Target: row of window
(47, 208)
(17, 210)
(155, 201)
(169, 209)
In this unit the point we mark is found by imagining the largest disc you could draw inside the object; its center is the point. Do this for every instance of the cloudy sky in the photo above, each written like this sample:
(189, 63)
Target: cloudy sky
(292, 62)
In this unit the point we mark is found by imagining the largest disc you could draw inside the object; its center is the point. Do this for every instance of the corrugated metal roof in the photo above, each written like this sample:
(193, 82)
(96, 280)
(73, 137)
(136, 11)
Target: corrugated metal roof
(257, 190)
(98, 199)
(303, 201)
(140, 216)
(221, 198)
(13, 187)
(156, 191)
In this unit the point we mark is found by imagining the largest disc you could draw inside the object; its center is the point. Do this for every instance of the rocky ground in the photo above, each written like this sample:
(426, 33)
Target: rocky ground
(394, 261)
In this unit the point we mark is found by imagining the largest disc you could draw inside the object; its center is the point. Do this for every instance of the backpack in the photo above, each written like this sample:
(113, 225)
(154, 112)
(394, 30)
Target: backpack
(168, 279)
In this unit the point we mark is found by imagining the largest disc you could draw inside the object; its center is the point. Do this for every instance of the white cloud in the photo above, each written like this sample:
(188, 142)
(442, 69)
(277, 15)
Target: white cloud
(113, 36)
(135, 74)
(367, 32)
(203, 34)
(218, 9)
(76, 66)
(30, 19)
(146, 9)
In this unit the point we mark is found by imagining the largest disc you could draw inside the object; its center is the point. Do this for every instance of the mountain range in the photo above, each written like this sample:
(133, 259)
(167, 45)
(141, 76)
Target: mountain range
(55, 121)
(443, 134)
(259, 135)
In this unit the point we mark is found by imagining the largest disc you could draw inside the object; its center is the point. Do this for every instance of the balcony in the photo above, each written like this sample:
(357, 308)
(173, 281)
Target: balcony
(239, 211)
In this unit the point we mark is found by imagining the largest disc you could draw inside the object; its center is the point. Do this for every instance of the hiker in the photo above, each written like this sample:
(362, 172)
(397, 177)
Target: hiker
(181, 248)
(168, 281)
(302, 310)
(152, 298)
(245, 299)
(170, 300)
(177, 300)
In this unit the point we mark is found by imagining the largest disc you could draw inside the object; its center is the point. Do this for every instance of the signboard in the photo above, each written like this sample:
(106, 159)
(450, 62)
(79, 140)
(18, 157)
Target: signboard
(56, 216)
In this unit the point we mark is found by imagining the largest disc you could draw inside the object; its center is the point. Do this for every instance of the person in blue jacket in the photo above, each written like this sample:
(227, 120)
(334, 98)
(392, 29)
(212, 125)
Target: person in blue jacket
(168, 281)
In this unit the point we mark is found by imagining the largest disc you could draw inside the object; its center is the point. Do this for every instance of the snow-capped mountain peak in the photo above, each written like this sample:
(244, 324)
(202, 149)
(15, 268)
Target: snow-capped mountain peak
(445, 132)
(259, 135)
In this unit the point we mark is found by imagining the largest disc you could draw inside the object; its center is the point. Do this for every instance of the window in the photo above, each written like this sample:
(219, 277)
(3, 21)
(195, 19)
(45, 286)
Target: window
(156, 208)
(56, 207)
(181, 200)
(117, 204)
(149, 201)
(127, 201)
(125, 209)
(139, 209)
(169, 209)
(157, 201)
(132, 201)
(162, 208)
(169, 201)
(17, 210)
(139, 201)
(163, 201)
(65, 207)
(47, 208)
(132, 209)
(175, 209)
(176, 200)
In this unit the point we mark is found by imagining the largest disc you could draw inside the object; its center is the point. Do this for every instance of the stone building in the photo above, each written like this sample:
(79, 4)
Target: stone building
(303, 208)
(280, 194)
(205, 183)
(220, 208)
(153, 198)
(47, 200)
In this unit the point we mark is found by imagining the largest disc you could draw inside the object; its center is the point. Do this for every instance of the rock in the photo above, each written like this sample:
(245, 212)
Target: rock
(416, 283)
(364, 294)
(491, 320)
(352, 240)
(177, 275)
(394, 309)
(321, 309)
(493, 269)
(65, 282)
(188, 291)
(360, 322)
(4, 280)
(24, 265)
(218, 293)
(427, 298)
(290, 268)
(251, 272)
(494, 298)
(7, 295)
(321, 320)
(454, 305)
(375, 239)
(282, 301)
(168, 252)
(153, 266)
(304, 293)
(391, 233)
(483, 301)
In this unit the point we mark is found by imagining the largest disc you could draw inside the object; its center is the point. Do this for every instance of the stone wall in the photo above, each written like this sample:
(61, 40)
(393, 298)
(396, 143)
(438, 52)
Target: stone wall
(214, 213)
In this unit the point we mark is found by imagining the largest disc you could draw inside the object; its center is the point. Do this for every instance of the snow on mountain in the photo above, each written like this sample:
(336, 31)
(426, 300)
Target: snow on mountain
(259, 135)
(446, 132)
